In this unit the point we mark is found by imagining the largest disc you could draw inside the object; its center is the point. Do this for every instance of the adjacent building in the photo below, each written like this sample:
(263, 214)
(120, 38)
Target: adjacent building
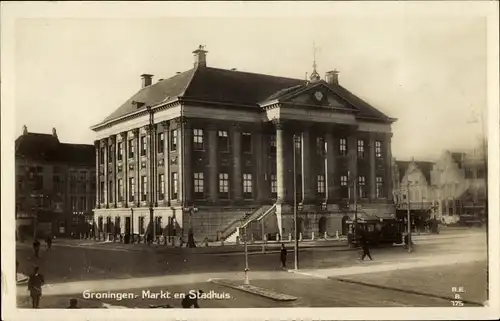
(213, 149)
(55, 185)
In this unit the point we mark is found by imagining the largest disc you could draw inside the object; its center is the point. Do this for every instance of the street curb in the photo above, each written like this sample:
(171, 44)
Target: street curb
(269, 294)
(404, 291)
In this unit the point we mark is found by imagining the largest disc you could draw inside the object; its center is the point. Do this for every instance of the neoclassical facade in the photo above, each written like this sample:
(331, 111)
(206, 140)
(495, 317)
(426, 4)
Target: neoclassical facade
(213, 149)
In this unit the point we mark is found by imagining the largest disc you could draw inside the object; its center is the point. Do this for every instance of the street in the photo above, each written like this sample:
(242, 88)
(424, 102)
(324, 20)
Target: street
(325, 272)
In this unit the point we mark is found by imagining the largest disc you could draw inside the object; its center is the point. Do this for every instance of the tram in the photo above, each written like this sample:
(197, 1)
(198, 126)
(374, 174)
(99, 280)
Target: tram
(376, 230)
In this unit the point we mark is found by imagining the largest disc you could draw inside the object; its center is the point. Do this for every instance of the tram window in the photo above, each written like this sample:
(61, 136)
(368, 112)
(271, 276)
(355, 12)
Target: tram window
(378, 227)
(370, 227)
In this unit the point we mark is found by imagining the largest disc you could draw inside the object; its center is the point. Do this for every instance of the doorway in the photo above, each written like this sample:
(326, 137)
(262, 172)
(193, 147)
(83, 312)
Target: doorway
(322, 225)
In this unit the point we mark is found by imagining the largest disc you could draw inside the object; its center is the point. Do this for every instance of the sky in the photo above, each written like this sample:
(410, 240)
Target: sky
(428, 72)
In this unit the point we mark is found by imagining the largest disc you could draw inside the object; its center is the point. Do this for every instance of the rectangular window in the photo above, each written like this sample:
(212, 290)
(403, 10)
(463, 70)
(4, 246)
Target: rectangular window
(74, 205)
(298, 142)
(142, 229)
(223, 141)
(131, 189)
(320, 146)
(173, 140)
(378, 149)
(379, 187)
(110, 153)
(144, 188)
(175, 187)
(120, 151)
(161, 143)
(83, 204)
(362, 187)
(343, 147)
(198, 185)
(272, 144)
(247, 186)
(120, 190)
(110, 191)
(198, 139)
(143, 146)
(321, 184)
(344, 189)
(224, 185)
(131, 148)
(274, 186)
(361, 148)
(57, 183)
(161, 188)
(101, 192)
(246, 142)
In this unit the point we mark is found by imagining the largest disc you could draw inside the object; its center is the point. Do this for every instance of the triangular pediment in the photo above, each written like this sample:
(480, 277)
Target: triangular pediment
(315, 94)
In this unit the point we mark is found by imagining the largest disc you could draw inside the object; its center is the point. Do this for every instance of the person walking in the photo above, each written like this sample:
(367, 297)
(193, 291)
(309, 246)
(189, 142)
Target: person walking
(35, 283)
(366, 249)
(73, 304)
(36, 248)
(191, 299)
(48, 242)
(283, 254)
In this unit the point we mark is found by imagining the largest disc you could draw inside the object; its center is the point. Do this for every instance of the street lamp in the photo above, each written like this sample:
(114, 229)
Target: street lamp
(408, 213)
(191, 209)
(247, 281)
(295, 221)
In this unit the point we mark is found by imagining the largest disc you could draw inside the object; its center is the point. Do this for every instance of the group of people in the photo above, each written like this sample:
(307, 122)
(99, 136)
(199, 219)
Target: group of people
(36, 245)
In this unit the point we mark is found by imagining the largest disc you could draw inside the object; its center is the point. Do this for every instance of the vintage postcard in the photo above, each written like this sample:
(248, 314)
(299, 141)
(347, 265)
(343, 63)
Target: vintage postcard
(250, 160)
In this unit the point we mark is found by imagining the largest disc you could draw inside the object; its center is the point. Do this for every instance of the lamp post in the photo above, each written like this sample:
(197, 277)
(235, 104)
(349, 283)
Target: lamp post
(191, 209)
(295, 221)
(247, 281)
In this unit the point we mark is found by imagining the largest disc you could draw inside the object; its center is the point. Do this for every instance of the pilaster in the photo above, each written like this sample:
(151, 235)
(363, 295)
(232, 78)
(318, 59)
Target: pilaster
(188, 179)
(106, 176)
(330, 166)
(280, 159)
(236, 153)
(372, 172)
(166, 160)
(125, 169)
(97, 146)
(352, 156)
(388, 166)
(137, 156)
(308, 177)
(213, 192)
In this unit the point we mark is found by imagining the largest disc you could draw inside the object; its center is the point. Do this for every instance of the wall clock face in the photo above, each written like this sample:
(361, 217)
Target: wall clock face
(318, 95)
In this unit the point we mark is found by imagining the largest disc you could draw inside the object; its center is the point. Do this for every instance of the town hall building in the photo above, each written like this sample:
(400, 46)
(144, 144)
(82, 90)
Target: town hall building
(212, 150)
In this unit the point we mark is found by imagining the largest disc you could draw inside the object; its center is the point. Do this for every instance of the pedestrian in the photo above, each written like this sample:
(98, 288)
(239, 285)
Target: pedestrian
(283, 254)
(48, 242)
(191, 299)
(36, 247)
(366, 249)
(35, 283)
(73, 304)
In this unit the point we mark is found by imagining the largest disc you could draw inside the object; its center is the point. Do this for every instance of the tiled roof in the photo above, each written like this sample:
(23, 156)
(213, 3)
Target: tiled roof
(232, 87)
(155, 94)
(47, 148)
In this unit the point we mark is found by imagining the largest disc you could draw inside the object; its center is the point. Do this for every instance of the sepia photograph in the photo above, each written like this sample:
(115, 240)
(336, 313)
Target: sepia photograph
(252, 160)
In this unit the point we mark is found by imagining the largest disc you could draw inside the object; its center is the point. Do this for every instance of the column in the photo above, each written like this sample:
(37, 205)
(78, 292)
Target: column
(330, 164)
(188, 179)
(260, 181)
(115, 169)
(213, 191)
(372, 172)
(106, 176)
(166, 160)
(308, 179)
(149, 164)
(98, 174)
(237, 187)
(388, 166)
(137, 156)
(280, 165)
(352, 160)
(180, 158)
(125, 167)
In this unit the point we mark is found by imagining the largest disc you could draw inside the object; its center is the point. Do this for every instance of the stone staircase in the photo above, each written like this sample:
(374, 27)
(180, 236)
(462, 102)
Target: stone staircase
(232, 232)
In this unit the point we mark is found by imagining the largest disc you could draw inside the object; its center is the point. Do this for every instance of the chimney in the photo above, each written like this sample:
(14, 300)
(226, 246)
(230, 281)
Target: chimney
(147, 80)
(332, 77)
(25, 130)
(54, 132)
(200, 57)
